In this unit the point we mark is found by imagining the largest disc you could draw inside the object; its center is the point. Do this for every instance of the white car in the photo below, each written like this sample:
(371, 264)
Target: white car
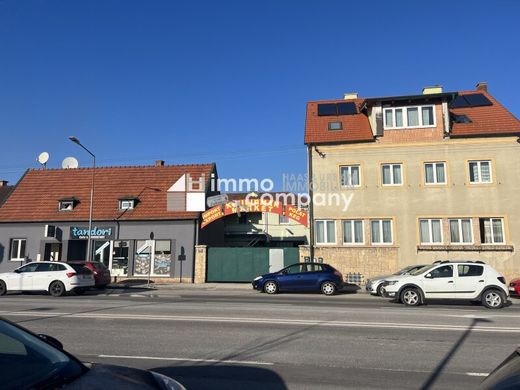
(55, 277)
(375, 284)
(459, 280)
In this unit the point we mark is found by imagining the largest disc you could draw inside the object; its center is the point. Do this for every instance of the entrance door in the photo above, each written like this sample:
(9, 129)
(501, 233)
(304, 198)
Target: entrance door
(275, 260)
(102, 250)
(52, 252)
(143, 257)
(119, 260)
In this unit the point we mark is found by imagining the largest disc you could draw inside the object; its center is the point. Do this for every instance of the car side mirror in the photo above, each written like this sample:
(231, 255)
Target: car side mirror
(51, 340)
(17, 271)
(429, 276)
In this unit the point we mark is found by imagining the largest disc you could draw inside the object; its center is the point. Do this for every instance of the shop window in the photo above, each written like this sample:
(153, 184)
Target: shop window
(18, 246)
(162, 259)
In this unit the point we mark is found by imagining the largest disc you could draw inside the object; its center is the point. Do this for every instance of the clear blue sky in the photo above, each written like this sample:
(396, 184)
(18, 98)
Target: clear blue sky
(227, 81)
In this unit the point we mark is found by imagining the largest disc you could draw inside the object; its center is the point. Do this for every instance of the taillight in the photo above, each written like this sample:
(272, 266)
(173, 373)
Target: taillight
(71, 274)
(502, 279)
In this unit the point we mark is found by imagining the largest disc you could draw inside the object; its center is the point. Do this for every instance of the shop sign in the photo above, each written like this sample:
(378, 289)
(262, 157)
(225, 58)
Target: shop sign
(81, 233)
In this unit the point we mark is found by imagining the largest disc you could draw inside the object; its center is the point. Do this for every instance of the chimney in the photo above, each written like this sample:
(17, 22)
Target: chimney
(3, 183)
(159, 163)
(482, 86)
(431, 90)
(350, 95)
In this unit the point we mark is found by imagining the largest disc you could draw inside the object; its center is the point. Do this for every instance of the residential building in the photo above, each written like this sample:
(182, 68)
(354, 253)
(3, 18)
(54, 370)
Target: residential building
(419, 178)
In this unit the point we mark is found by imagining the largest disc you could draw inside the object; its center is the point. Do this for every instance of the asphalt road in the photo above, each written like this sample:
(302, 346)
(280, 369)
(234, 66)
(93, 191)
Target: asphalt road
(242, 339)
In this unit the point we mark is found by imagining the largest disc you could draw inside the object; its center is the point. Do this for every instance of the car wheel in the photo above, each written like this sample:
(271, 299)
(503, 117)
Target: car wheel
(328, 288)
(379, 290)
(3, 288)
(411, 297)
(271, 287)
(56, 289)
(493, 299)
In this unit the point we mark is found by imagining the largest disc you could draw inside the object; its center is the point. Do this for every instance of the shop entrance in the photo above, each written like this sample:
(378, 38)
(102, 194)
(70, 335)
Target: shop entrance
(119, 258)
(52, 252)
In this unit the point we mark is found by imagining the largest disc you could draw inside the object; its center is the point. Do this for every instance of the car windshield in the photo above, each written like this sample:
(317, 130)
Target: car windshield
(422, 269)
(28, 362)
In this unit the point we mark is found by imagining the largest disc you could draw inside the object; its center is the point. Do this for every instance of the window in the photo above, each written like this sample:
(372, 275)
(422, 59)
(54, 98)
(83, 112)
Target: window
(435, 173)
(491, 230)
(283, 219)
(31, 267)
(461, 231)
(353, 232)
(335, 126)
(313, 267)
(350, 176)
(446, 271)
(325, 232)
(66, 205)
(294, 269)
(126, 204)
(430, 231)
(162, 259)
(470, 270)
(391, 174)
(403, 117)
(480, 172)
(18, 248)
(381, 231)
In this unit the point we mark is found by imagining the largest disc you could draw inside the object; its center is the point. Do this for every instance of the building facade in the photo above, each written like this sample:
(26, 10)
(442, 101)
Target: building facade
(140, 227)
(419, 178)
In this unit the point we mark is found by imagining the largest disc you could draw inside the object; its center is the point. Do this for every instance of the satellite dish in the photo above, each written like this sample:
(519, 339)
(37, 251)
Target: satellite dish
(43, 158)
(69, 163)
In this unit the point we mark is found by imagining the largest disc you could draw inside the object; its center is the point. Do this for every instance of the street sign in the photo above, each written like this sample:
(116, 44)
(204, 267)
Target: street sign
(216, 200)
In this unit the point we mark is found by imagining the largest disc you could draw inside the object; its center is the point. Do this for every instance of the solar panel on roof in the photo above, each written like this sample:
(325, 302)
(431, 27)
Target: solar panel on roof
(477, 99)
(459, 102)
(348, 108)
(327, 109)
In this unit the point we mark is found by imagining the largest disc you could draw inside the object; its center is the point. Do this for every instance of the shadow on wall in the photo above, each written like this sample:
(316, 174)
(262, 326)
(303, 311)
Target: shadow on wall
(1, 253)
(221, 376)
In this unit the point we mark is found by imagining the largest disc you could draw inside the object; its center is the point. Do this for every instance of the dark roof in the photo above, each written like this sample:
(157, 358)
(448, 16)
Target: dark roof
(5, 191)
(37, 194)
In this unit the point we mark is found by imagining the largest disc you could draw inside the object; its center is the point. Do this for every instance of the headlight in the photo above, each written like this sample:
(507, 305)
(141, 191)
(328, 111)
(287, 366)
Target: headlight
(257, 278)
(167, 383)
(390, 282)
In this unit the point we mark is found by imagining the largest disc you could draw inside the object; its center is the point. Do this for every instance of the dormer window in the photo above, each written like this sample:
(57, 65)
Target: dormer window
(67, 204)
(126, 204)
(335, 126)
(409, 117)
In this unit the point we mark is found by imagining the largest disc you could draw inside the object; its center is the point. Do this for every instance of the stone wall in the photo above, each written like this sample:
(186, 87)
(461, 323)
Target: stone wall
(201, 258)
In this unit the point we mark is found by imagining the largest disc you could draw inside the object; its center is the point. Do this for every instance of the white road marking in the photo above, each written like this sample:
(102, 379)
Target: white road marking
(270, 321)
(176, 359)
(477, 373)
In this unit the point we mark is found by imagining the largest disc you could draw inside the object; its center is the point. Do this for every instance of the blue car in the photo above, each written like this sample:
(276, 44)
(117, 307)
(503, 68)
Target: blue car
(301, 277)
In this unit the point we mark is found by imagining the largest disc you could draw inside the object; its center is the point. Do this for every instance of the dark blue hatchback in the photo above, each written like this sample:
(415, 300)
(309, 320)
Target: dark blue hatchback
(301, 277)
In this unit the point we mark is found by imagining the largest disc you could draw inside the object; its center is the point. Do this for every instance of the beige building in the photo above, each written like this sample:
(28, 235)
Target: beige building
(411, 179)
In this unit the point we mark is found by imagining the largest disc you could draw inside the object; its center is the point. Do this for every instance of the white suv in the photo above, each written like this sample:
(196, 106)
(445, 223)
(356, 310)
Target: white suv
(460, 280)
(54, 277)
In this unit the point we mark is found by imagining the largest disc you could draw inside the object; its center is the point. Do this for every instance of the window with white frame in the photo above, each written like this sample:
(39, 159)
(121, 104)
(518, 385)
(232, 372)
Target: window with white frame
(430, 231)
(406, 117)
(126, 204)
(480, 172)
(283, 219)
(435, 173)
(461, 231)
(492, 231)
(392, 174)
(326, 232)
(381, 231)
(18, 246)
(350, 176)
(353, 232)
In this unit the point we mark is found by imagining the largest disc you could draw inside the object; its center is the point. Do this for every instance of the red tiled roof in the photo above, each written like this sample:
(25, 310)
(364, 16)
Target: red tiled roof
(36, 196)
(355, 128)
(485, 120)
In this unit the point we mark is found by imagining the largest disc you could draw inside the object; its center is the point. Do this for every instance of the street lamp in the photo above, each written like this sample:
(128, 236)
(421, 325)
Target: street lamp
(76, 141)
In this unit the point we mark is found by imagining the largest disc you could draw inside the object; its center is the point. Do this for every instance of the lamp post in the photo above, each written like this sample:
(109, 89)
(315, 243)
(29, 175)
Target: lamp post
(76, 141)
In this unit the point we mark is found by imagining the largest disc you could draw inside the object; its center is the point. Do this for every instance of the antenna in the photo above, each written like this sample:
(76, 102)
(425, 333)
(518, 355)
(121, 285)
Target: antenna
(69, 163)
(43, 158)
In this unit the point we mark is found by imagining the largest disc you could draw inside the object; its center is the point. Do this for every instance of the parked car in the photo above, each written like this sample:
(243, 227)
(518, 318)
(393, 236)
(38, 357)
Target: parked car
(459, 280)
(31, 361)
(301, 277)
(375, 284)
(506, 376)
(514, 287)
(101, 273)
(55, 277)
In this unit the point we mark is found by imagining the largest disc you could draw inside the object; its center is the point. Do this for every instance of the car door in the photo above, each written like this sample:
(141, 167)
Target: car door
(25, 279)
(470, 280)
(311, 277)
(439, 282)
(43, 276)
(290, 278)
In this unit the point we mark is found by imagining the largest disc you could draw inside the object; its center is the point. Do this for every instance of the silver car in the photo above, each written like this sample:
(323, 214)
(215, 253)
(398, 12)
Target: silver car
(374, 284)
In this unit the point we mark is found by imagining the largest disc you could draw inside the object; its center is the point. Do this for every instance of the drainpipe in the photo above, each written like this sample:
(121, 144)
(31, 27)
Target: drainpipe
(311, 202)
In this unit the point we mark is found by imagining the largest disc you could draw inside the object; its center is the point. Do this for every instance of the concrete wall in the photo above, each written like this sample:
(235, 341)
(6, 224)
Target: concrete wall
(407, 203)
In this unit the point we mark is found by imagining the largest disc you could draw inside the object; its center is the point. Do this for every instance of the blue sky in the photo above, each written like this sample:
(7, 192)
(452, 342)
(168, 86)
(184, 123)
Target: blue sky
(226, 81)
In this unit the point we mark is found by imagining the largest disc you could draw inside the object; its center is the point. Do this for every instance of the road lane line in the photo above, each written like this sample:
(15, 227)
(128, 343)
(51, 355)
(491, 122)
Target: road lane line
(224, 361)
(477, 373)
